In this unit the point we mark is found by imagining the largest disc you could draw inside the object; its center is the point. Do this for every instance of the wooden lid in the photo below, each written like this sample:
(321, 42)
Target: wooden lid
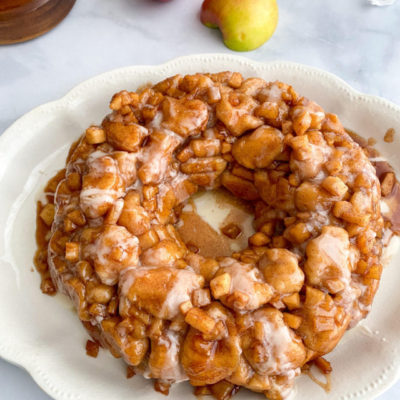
(22, 20)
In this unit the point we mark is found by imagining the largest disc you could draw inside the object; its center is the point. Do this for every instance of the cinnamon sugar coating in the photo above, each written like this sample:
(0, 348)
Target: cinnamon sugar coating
(253, 319)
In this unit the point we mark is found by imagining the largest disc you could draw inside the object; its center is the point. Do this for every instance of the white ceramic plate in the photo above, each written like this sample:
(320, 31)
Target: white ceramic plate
(43, 334)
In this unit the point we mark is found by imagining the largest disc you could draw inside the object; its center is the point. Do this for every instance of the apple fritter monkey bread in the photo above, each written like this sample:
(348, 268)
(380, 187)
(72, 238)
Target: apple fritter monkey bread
(252, 319)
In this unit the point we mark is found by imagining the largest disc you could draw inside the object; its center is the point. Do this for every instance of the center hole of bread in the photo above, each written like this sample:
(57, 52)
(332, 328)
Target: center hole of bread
(215, 223)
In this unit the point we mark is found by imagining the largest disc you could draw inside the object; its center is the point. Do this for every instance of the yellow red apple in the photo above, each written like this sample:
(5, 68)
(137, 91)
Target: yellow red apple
(244, 24)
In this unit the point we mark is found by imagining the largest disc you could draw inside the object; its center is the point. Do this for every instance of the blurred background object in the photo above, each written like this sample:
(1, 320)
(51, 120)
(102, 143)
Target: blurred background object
(382, 2)
(22, 20)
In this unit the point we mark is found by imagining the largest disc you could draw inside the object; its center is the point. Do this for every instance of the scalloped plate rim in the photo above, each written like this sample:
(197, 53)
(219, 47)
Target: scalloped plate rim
(27, 362)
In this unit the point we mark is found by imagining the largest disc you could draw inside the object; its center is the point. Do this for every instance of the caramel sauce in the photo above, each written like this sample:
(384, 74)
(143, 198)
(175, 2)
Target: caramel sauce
(223, 197)
(327, 386)
(224, 390)
(130, 372)
(393, 199)
(363, 142)
(162, 387)
(195, 231)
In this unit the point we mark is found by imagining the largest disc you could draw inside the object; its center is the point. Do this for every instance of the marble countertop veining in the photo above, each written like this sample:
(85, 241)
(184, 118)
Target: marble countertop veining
(350, 38)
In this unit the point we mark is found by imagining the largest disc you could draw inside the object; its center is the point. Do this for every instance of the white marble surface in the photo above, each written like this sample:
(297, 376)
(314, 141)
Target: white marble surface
(350, 38)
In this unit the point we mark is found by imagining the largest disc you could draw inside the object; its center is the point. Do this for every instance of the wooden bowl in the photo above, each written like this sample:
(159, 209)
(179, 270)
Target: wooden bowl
(22, 20)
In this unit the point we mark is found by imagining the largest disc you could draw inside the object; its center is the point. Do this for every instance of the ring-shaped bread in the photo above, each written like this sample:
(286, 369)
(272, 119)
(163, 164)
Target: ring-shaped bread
(253, 319)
